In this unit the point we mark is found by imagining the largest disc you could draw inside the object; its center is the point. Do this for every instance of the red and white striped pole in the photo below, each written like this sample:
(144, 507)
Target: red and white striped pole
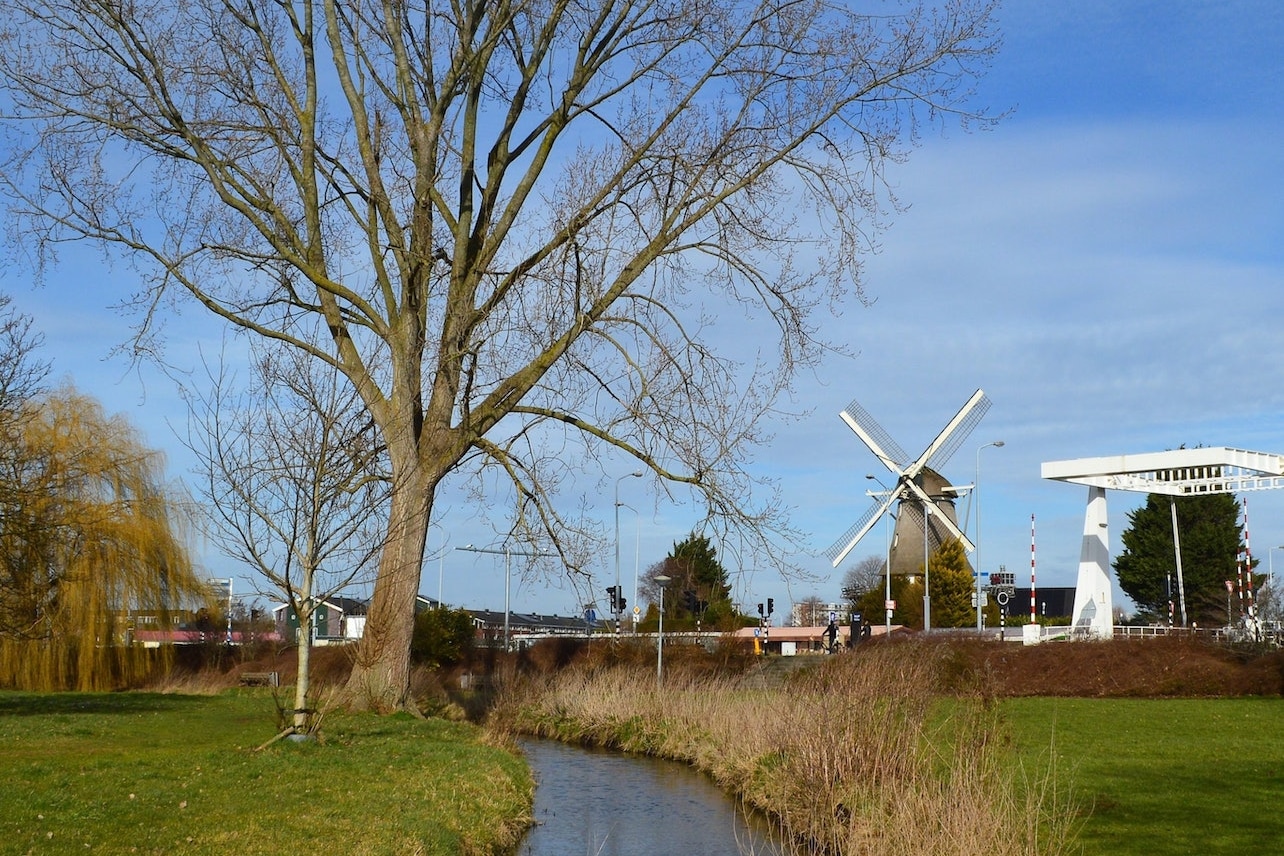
(1239, 570)
(1248, 562)
(1239, 579)
(1032, 618)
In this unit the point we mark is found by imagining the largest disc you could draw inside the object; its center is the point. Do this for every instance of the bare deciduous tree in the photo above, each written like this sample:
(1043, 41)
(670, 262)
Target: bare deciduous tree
(811, 611)
(21, 373)
(290, 472)
(509, 215)
(863, 577)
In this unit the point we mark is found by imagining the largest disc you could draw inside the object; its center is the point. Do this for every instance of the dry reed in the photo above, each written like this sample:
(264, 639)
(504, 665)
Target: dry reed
(861, 754)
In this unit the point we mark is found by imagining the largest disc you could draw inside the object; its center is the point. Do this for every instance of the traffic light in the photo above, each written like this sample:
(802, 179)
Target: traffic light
(760, 612)
(611, 591)
(623, 603)
(692, 602)
(771, 606)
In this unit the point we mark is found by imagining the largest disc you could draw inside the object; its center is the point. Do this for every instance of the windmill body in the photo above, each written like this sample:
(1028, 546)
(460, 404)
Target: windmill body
(906, 554)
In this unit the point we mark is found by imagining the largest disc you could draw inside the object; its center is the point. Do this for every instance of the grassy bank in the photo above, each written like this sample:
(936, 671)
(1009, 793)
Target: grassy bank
(857, 755)
(1173, 776)
(178, 774)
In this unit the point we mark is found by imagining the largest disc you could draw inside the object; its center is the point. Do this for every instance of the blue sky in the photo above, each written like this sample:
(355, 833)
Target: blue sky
(1106, 264)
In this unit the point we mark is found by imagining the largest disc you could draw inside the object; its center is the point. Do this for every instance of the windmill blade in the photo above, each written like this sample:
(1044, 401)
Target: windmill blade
(872, 435)
(942, 518)
(954, 433)
(844, 545)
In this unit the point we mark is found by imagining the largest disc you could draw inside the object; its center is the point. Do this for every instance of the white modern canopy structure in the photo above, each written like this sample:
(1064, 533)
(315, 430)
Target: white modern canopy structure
(1182, 472)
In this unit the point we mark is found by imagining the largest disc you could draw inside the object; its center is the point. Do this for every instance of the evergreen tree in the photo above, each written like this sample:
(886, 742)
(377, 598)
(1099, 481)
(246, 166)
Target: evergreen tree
(908, 594)
(951, 593)
(443, 637)
(693, 566)
(1210, 536)
(951, 587)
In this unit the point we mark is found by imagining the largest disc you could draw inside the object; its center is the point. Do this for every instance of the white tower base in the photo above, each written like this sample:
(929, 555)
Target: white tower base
(1093, 604)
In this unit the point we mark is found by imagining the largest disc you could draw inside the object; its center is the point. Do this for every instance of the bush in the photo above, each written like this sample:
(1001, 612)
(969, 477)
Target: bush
(442, 638)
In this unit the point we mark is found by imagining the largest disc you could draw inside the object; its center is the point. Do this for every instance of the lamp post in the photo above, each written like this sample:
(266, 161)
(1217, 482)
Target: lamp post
(662, 581)
(976, 489)
(633, 475)
(228, 581)
(441, 560)
(637, 546)
(927, 573)
(887, 574)
(1270, 564)
(508, 575)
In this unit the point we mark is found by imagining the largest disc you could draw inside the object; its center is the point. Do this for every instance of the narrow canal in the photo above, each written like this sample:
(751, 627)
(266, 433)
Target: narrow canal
(599, 803)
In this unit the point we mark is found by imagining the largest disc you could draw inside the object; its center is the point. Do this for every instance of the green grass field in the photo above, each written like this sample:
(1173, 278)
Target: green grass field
(151, 773)
(178, 774)
(1171, 776)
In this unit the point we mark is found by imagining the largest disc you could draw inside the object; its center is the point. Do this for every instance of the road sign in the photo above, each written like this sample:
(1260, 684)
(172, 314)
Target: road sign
(637, 610)
(889, 604)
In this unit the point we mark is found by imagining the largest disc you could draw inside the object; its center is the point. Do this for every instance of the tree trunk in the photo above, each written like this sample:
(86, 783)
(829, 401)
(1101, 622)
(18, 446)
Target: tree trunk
(380, 678)
(303, 681)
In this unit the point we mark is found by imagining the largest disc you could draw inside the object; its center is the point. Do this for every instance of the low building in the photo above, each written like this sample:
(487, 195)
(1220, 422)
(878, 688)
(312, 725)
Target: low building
(525, 627)
(336, 619)
(805, 640)
(1051, 602)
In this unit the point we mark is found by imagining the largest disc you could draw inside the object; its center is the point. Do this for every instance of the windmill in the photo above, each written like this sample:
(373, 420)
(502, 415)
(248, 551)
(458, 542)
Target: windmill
(919, 487)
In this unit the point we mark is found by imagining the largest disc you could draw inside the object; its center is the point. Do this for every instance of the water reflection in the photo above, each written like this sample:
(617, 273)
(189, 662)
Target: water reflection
(607, 804)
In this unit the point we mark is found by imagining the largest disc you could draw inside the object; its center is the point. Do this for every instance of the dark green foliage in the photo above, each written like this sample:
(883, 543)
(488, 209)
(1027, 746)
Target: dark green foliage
(693, 566)
(443, 637)
(951, 582)
(909, 602)
(1210, 535)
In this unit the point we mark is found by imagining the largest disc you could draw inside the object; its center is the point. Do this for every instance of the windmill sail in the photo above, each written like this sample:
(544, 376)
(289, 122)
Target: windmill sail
(957, 431)
(852, 536)
(875, 437)
(909, 491)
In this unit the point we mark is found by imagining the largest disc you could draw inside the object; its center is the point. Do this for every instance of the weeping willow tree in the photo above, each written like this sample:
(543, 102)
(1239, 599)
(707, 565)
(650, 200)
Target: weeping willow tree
(89, 536)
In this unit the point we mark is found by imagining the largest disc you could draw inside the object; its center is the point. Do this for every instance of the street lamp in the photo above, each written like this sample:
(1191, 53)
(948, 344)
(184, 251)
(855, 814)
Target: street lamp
(637, 550)
(508, 575)
(662, 581)
(976, 491)
(887, 574)
(927, 572)
(633, 475)
(1270, 564)
(441, 559)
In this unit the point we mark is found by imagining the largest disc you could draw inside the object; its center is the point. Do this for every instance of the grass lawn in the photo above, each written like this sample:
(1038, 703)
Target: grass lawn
(178, 774)
(1172, 776)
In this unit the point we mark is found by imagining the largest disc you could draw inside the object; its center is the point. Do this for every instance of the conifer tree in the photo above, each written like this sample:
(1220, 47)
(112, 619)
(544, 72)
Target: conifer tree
(951, 587)
(1209, 531)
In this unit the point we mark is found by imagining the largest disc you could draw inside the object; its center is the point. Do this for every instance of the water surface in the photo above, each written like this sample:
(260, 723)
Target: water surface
(600, 803)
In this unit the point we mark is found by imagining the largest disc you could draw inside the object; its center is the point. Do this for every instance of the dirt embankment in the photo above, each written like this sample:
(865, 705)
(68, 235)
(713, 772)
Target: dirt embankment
(1162, 667)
